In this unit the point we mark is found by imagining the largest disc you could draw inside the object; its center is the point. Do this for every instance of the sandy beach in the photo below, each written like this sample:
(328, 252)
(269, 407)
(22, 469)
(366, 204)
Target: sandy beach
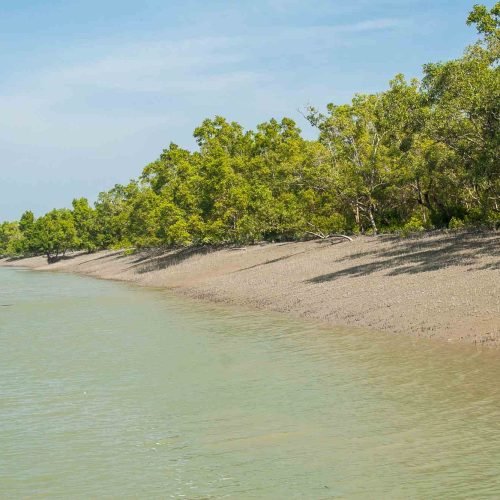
(444, 286)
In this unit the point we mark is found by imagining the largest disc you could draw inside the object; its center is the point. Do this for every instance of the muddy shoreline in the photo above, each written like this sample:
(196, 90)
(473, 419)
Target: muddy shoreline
(443, 286)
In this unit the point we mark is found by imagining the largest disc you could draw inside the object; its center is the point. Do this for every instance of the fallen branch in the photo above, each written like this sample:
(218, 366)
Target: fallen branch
(340, 236)
(318, 235)
(328, 236)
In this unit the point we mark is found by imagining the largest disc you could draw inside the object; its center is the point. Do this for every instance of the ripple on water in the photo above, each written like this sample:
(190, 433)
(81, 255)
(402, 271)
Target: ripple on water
(112, 390)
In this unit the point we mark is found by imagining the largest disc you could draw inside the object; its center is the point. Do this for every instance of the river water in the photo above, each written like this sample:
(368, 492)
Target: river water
(113, 391)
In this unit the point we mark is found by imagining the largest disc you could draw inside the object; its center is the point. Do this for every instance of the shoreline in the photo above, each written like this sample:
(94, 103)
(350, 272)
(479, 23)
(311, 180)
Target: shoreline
(443, 286)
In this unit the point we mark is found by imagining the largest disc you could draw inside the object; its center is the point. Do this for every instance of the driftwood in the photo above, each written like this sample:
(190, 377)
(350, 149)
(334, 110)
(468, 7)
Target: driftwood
(328, 236)
(340, 236)
(323, 236)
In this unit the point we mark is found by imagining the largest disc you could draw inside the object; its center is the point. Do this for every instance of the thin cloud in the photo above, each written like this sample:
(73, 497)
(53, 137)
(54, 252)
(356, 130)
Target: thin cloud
(178, 65)
(70, 101)
(373, 25)
(117, 97)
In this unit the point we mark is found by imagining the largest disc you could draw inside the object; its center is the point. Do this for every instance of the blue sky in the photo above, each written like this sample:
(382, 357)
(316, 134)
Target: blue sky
(92, 91)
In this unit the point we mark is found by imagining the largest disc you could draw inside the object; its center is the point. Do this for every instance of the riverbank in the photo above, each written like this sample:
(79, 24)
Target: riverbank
(444, 286)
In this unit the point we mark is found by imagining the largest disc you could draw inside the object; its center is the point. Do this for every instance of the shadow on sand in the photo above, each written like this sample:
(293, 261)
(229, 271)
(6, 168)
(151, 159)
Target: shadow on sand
(422, 254)
(158, 259)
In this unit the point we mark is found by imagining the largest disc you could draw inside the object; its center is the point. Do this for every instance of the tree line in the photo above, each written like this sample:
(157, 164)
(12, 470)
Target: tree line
(420, 155)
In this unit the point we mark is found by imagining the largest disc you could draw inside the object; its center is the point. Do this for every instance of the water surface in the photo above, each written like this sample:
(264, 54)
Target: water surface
(109, 390)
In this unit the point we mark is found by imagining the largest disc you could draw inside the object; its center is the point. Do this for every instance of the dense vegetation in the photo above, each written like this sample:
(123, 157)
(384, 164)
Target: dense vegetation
(422, 154)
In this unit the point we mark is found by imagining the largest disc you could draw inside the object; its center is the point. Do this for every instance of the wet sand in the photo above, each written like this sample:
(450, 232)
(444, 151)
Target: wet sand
(444, 286)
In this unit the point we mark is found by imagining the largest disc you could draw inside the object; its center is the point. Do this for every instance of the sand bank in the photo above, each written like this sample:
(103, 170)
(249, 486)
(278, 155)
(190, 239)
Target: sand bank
(444, 286)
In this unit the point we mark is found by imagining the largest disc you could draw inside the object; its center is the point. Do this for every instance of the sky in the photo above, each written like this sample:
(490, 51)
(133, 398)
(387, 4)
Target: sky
(92, 91)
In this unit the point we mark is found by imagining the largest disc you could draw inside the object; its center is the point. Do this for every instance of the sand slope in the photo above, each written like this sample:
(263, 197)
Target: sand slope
(444, 285)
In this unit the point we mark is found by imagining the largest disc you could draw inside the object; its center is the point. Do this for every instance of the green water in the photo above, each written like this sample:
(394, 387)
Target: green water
(112, 391)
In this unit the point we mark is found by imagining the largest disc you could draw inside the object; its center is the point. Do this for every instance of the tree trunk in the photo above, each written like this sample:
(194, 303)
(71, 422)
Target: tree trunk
(357, 215)
(372, 220)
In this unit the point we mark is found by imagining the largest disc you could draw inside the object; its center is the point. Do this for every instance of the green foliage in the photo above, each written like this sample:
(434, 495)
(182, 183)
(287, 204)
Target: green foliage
(456, 223)
(487, 24)
(10, 239)
(416, 156)
(86, 226)
(417, 223)
(55, 233)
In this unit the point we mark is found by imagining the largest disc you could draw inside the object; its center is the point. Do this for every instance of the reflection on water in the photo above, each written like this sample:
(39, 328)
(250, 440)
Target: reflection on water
(107, 390)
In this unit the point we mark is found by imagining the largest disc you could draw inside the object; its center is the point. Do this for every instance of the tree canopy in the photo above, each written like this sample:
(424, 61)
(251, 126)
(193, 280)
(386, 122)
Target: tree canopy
(419, 155)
